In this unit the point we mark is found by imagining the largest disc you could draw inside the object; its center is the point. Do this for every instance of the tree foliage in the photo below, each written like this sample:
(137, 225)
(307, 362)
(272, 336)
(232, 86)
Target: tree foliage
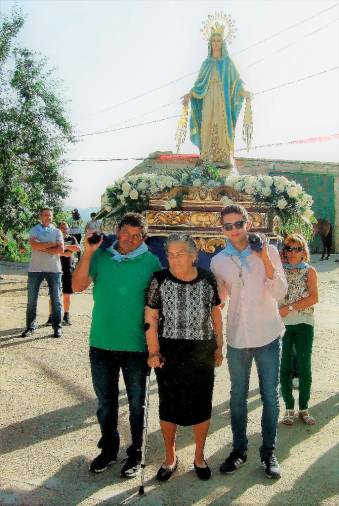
(34, 133)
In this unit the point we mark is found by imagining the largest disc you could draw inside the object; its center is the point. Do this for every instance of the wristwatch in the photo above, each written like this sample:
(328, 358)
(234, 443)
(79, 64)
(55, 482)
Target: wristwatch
(290, 308)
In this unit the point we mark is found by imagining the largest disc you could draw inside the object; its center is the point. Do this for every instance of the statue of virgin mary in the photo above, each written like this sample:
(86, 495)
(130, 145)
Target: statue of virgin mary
(217, 97)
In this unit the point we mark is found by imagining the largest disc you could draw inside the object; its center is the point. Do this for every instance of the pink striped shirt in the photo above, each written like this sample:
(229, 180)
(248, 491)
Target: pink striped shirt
(253, 318)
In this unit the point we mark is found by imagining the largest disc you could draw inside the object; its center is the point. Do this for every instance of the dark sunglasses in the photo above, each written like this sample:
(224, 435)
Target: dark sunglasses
(293, 248)
(237, 224)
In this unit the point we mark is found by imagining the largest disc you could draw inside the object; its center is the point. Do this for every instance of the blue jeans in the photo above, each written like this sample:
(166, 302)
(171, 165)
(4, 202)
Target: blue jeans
(54, 284)
(105, 368)
(267, 359)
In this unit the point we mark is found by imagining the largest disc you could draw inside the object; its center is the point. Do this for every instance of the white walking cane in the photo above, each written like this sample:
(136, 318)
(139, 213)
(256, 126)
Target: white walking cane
(144, 433)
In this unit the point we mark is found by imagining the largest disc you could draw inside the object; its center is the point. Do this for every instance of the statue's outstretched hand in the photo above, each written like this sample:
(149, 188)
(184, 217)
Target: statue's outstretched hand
(186, 98)
(246, 94)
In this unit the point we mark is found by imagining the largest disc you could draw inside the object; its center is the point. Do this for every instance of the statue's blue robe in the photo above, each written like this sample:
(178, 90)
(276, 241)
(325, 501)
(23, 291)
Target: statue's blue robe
(231, 85)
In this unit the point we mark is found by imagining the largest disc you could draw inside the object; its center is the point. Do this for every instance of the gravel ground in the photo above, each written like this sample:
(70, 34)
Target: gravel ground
(48, 428)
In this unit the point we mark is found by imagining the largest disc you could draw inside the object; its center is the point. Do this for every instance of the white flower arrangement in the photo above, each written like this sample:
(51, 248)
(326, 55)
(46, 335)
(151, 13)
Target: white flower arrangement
(284, 197)
(125, 187)
(281, 203)
(268, 180)
(133, 192)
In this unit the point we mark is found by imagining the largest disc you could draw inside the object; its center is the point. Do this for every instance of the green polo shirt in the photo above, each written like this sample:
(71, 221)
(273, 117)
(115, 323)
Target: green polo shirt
(119, 295)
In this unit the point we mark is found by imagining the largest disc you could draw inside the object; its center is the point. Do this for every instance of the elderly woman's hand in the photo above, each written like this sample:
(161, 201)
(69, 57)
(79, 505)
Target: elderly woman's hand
(155, 360)
(283, 310)
(218, 357)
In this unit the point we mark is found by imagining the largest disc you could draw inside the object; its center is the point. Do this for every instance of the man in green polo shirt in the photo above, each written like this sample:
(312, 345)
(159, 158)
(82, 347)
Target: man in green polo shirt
(121, 274)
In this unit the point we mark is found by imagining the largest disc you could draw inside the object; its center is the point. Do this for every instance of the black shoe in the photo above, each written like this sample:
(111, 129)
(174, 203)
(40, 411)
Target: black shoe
(233, 462)
(164, 473)
(102, 462)
(271, 466)
(66, 320)
(27, 332)
(57, 333)
(203, 473)
(131, 465)
(49, 321)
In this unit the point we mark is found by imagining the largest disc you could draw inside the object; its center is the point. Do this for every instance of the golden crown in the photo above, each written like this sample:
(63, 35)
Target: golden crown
(221, 24)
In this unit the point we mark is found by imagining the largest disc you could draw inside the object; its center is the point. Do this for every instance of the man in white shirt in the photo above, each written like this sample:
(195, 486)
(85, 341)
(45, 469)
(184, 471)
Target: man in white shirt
(47, 245)
(254, 281)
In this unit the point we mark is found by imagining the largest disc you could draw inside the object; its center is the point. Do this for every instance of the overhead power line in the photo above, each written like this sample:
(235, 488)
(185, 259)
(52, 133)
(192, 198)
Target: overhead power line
(292, 43)
(289, 28)
(289, 83)
(266, 39)
(130, 126)
(307, 140)
(159, 120)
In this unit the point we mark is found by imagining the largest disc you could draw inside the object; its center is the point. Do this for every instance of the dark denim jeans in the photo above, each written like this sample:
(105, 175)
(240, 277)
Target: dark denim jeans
(267, 359)
(105, 368)
(54, 284)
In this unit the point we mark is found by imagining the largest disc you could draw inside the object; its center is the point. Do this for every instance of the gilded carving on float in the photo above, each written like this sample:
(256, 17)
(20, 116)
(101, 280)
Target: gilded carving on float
(167, 218)
(259, 220)
(183, 218)
(205, 219)
(200, 219)
(209, 245)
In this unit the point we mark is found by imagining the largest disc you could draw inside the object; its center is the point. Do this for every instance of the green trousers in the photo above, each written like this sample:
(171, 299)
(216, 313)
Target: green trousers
(301, 336)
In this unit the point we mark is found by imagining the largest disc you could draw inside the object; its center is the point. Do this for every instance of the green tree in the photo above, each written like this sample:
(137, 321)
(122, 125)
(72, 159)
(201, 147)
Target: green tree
(34, 133)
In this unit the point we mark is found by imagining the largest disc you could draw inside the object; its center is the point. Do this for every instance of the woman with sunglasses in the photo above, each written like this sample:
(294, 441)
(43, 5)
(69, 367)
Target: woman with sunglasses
(296, 309)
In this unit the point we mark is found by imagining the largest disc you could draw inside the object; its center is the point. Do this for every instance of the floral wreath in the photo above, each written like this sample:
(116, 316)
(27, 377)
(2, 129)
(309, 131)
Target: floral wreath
(285, 198)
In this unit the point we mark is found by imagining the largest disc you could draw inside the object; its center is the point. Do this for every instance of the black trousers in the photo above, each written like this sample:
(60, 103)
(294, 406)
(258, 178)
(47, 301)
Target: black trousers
(327, 245)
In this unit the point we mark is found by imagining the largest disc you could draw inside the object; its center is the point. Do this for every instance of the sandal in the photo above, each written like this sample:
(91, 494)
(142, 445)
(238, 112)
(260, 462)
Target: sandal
(288, 417)
(306, 417)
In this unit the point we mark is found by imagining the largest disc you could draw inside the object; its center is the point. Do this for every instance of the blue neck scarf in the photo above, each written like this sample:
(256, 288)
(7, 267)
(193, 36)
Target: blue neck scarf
(118, 257)
(300, 265)
(230, 250)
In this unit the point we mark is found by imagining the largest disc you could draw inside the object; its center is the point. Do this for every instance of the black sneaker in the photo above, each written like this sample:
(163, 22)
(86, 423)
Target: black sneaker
(102, 462)
(271, 466)
(27, 332)
(131, 466)
(233, 462)
(57, 333)
(49, 321)
(66, 320)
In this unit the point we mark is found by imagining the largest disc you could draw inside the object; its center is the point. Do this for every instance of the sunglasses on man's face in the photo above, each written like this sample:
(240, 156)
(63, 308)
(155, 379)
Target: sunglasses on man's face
(237, 224)
(290, 249)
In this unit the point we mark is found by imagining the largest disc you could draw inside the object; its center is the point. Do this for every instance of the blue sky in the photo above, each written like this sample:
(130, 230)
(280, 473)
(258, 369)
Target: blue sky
(109, 52)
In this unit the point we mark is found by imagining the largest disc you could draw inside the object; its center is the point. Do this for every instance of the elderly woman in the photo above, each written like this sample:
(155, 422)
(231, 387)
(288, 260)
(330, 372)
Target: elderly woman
(184, 338)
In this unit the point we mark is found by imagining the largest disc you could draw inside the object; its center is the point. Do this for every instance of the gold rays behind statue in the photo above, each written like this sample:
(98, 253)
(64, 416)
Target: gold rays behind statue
(180, 135)
(219, 23)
